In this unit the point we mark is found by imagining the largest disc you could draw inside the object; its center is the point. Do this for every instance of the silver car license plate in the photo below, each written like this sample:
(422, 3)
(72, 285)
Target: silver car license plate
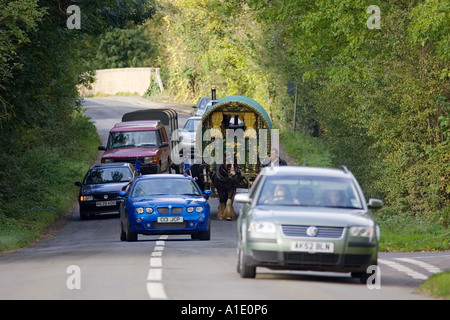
(310, 246)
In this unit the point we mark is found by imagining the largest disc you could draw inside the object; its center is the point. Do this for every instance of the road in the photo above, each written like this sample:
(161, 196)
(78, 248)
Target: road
(87, 260)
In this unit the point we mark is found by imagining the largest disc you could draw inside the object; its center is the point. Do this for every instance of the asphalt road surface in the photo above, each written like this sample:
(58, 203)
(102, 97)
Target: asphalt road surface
(87, 260)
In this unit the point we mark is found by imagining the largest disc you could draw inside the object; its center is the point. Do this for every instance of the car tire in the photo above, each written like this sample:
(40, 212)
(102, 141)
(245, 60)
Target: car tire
(362, 276)
(205, 235)
(123, 234)
(130, 236)
(83, 215)
(158, 168)
(245, 270)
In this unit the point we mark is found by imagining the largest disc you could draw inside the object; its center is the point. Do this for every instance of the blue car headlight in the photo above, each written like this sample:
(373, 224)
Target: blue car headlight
(141, 210)
(198, 209)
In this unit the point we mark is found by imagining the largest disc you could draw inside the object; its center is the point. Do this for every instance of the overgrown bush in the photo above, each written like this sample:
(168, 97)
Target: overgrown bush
(37, 180)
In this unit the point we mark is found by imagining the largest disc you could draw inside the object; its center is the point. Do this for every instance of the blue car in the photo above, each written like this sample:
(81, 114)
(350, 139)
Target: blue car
(164, 204)
(99, 190)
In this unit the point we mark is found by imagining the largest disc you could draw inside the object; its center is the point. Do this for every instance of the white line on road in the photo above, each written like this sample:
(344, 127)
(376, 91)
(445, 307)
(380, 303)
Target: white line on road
(156, 290)
(421, 264)
(155, 287)
(155, 262)
(399, 267)
(154, 275)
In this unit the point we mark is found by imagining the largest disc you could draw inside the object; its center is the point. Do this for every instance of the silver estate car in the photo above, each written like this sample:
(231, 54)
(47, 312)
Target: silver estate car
(307, 218)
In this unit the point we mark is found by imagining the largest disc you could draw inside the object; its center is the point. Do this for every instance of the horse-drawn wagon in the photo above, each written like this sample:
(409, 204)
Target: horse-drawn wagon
(232, 140)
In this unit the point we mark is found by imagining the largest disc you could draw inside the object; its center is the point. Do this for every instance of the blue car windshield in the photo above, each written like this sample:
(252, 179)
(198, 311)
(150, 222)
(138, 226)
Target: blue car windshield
(108, 175)
(160, 187)
(310, 191)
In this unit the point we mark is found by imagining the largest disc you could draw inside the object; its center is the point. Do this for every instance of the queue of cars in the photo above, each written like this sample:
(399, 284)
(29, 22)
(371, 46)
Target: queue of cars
(148, 204)
(299, 218)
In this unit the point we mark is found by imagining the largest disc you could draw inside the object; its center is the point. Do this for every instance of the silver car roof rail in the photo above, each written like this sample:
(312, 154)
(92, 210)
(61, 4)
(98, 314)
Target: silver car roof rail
(344, 168)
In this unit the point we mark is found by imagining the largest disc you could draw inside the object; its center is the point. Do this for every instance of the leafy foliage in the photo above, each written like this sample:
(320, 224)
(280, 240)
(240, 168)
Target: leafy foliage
(125, 48)
(44, 142)
(378, 98)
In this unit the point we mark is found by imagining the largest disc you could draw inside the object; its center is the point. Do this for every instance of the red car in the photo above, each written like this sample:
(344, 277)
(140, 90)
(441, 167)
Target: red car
(145, 140)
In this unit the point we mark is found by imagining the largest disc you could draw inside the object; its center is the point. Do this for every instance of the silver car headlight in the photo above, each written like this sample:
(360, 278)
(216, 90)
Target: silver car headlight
(366, 232)
(262, 227)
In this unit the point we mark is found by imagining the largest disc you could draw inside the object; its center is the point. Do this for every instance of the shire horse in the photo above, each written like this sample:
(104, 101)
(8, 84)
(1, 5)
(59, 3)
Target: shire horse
(226, 178)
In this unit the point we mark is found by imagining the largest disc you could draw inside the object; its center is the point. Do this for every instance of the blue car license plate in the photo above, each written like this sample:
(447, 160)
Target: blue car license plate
(170, 219)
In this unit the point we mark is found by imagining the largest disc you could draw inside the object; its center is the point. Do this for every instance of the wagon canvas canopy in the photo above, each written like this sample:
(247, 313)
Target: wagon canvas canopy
(237, 125)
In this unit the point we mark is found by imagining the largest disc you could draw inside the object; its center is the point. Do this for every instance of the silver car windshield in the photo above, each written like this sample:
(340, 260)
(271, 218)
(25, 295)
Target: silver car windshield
(310, 191)
(191, 125)
(162, 187)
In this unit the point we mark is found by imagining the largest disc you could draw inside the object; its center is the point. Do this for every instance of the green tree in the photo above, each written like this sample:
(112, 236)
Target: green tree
(17, 19)
(122, 48)
(380, 97)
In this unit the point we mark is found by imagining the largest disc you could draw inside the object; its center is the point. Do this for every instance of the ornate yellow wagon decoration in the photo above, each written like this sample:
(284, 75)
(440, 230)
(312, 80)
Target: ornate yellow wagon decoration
(236, 126)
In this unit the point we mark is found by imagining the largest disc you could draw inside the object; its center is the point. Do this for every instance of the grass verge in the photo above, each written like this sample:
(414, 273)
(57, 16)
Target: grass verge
(37, 180)
(406, 233)
(307, 150)
(438, 285)
(399, 232)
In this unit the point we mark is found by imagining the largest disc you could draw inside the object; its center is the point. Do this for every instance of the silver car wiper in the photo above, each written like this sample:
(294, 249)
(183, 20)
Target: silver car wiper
(342, 207)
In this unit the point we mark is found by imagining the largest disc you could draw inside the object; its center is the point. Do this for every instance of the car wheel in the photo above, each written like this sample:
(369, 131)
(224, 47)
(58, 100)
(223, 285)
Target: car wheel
(205, 235)
(238, 265)
(362, 276)
(130, 236)
(123, 235)
(194, 236)
(245, 270)
(83, 215)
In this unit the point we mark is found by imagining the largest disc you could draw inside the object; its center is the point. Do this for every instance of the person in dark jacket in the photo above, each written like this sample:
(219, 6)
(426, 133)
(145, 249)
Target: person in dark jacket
(274, 160)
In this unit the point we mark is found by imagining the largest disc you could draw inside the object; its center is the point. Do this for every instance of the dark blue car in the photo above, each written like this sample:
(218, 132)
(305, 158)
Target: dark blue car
(99, 192)
(164, 204)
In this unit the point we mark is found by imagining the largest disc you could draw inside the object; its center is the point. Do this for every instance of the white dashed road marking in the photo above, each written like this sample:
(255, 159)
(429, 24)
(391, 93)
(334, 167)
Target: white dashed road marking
(421, 264)
(155, 287)
(407, 270)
